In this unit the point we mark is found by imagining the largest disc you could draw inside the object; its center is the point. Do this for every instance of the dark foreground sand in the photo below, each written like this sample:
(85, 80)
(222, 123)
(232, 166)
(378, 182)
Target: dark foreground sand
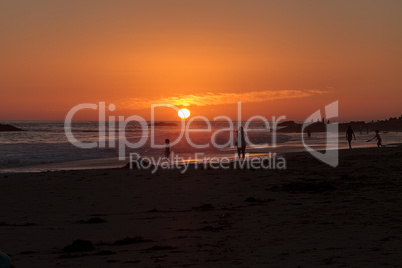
(308, 215)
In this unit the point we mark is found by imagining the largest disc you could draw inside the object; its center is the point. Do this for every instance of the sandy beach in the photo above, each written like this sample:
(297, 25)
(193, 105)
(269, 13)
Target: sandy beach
(305, 216)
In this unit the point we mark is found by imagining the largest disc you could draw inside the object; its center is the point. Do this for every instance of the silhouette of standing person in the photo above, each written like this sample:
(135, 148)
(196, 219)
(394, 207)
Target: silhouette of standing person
(349, 135)
(309, 133)
(167, 148)
(379, 140)
(241, 142)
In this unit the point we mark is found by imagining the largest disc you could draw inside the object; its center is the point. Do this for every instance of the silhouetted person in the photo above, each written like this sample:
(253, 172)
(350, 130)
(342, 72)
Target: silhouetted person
(308, 133)
(167, 148)
(377, 136)
(241, 142)
(349, 135)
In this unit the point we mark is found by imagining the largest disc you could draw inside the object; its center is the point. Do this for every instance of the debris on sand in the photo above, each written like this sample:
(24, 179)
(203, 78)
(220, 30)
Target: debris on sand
(79, 245)
(92, 221)
(99, 253)
(28, 252)
(204, 207)
(212, 229)
(153, 210)
(310, 187)
(104, 252)
(160, 248)
(70, 256)
(258, 200)
(2, 223)
(131, 240)
(134, 261)
(125, 241)
(345, 177)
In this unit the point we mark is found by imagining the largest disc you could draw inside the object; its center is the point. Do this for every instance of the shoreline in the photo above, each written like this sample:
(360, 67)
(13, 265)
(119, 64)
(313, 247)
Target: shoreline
(113, 162)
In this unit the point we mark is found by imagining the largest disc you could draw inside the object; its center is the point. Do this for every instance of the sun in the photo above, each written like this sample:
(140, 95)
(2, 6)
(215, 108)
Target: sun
(183, 113)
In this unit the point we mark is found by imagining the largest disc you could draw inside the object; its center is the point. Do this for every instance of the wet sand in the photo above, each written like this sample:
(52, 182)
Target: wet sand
(307, 215)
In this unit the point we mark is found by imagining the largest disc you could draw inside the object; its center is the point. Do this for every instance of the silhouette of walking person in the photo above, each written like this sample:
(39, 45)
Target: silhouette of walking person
(241, 142)
(349, 135)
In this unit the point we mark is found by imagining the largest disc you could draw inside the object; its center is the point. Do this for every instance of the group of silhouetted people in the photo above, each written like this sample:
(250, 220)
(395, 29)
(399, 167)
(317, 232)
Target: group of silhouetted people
(350, 135)
(241, 141)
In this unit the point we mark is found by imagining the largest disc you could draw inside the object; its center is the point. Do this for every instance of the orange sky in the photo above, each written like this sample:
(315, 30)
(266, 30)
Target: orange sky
(277, 57)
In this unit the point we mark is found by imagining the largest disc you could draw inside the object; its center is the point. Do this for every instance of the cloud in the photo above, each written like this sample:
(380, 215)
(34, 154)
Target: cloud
(210, 98)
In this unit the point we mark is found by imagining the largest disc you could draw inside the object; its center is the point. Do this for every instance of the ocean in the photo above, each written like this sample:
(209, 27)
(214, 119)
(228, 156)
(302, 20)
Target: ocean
(44, 145)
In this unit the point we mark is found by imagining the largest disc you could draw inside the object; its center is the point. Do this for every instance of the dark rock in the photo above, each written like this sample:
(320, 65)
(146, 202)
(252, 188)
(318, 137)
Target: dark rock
(6, 127)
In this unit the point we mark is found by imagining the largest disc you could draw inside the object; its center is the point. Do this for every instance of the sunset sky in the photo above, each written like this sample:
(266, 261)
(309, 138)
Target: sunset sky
(277, 57)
